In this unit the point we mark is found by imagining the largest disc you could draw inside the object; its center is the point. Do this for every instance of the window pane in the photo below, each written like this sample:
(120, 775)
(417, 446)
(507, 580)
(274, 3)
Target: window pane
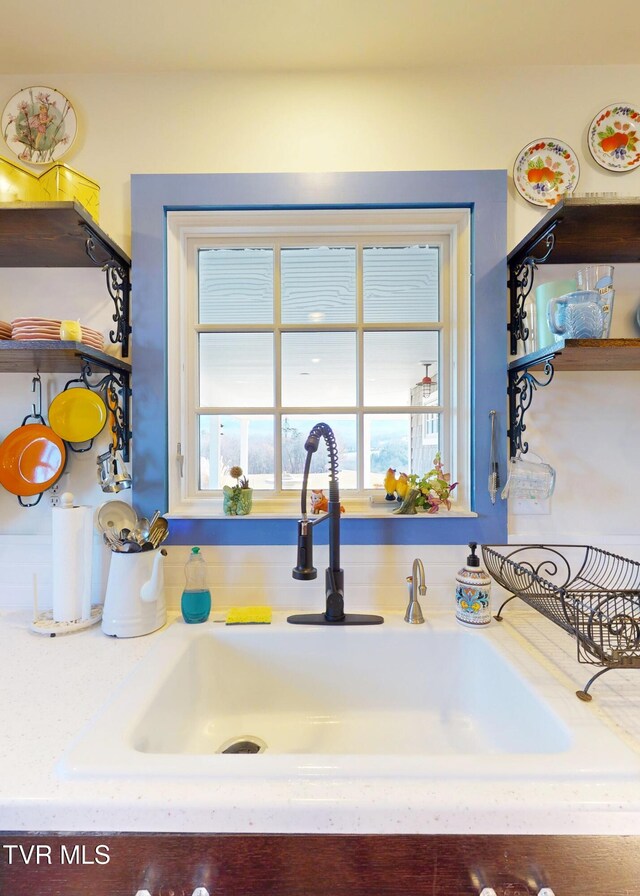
(236, 441)
(318, 369)
(236, 370)
(295, 430)
(235, 286)
(424, 443)
(401, 284)
(406, 442)
(318, 285)
(395, 366)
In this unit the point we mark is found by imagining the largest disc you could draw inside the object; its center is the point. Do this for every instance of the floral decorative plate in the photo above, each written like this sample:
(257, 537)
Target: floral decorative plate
(544, 170)
(39, 125)
(613, 137)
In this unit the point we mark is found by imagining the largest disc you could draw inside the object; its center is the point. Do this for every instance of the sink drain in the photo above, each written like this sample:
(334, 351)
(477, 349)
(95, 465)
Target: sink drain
(245, 744)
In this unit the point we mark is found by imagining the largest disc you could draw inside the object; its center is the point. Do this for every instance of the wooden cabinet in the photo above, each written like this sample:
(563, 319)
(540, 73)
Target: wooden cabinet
(318, 865)
(576, 231)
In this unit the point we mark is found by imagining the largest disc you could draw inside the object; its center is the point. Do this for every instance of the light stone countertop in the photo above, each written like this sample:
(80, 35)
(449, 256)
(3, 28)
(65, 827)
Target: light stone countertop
(51, 687)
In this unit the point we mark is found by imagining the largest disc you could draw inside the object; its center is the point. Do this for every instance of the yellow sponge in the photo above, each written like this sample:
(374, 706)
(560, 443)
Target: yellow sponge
(247, 615)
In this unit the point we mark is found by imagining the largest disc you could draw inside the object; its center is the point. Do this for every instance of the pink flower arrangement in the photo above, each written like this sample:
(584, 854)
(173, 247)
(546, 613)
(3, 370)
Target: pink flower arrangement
(435, 488)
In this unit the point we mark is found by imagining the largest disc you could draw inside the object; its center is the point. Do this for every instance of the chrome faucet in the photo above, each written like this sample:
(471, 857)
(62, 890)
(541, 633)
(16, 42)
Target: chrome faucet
(304, 569)
(416, 579)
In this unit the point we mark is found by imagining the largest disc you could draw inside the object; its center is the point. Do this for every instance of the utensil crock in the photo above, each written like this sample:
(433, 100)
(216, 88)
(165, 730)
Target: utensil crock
(134, 602)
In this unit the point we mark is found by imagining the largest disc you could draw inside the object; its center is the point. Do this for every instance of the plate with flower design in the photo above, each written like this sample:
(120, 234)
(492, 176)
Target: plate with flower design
(545, 170)
(614, 137)
(39, 125)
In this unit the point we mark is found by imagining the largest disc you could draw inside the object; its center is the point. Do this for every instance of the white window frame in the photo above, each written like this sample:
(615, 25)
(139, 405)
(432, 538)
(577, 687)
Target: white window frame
(187, 232)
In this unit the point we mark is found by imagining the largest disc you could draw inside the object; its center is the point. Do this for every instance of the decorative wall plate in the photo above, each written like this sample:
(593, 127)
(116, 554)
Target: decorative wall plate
(613, 137)
(545, 170)
(39, 125)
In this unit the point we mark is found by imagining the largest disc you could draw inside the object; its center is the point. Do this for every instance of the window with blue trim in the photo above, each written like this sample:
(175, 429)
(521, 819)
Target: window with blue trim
(479, 195)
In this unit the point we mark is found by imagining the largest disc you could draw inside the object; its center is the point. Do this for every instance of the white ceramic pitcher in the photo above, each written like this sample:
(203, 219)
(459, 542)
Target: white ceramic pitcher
(134, 602)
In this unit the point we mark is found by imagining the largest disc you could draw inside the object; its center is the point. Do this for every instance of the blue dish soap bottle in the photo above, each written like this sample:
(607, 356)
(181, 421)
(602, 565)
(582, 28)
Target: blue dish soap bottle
(196, 597)
(473, 592)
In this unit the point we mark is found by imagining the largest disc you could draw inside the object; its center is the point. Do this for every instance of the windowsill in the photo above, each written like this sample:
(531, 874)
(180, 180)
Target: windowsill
(195, 513)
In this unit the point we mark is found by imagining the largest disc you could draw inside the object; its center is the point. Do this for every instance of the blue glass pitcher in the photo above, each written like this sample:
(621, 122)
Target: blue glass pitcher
(577, 315)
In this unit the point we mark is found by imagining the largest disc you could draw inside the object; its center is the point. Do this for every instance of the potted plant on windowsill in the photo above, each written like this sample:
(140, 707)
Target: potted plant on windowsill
(426, 494)
(237, 499)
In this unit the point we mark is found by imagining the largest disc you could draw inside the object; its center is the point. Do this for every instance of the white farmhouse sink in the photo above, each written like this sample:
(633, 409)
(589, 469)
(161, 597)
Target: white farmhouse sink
(396, 699)
(341, 691)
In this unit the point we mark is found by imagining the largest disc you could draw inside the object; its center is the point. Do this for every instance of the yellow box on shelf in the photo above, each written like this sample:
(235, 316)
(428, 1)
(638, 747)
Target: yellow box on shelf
(17, 184)
(60, 183)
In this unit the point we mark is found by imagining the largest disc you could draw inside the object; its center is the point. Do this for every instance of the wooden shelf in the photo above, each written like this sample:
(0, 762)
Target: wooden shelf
(52, 235)
(584, 354)
(578, 231)
(588, 231)
(48, 356)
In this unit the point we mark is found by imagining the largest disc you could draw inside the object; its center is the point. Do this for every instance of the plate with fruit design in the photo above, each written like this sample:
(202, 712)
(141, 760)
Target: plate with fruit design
(545, 170)
(614, 137)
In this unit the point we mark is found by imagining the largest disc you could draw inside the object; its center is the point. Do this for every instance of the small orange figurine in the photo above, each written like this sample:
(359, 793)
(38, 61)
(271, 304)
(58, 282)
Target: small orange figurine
(320, 502)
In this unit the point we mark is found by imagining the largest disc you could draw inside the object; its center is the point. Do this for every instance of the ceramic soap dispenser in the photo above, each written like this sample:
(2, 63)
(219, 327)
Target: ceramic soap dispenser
(473, 592)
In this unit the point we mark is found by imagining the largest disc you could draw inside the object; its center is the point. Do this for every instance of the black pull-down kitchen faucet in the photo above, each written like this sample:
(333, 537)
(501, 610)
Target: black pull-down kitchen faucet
(304, 569)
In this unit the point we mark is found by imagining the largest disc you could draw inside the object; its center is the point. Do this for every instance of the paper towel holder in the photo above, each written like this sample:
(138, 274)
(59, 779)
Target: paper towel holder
(43, 622)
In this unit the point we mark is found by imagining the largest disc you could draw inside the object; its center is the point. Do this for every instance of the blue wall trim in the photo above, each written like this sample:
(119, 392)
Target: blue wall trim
(484, 192)
(399, 530)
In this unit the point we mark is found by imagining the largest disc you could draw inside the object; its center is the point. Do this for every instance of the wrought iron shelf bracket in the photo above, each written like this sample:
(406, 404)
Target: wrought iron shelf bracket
(522, 383)
(118, 285)
(521, 388)
(521, 277)
(116, 386)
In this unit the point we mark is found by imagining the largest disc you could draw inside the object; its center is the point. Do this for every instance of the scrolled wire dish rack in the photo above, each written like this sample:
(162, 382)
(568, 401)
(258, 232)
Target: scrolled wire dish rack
(590, 593)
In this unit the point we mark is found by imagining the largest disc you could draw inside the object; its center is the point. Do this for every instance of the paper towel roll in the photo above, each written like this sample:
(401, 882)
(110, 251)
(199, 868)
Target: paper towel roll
(72, 567)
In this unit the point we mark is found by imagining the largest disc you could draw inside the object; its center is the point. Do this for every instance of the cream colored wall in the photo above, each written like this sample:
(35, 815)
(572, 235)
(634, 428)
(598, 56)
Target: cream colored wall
(476, 118)
(473, 118)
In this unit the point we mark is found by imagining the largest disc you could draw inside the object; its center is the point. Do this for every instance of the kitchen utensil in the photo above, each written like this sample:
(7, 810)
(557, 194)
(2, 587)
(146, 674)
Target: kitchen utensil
(104, 473)
(111, 540)
(113, 516)
(134, 602)
(32, 457)
(494, 471)
(543, 295)
(77, 415)
(159, 531)
(599, 277)
(578, 315)
(533, 480)
(113, 475)
(121, 478)
(141, 530)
